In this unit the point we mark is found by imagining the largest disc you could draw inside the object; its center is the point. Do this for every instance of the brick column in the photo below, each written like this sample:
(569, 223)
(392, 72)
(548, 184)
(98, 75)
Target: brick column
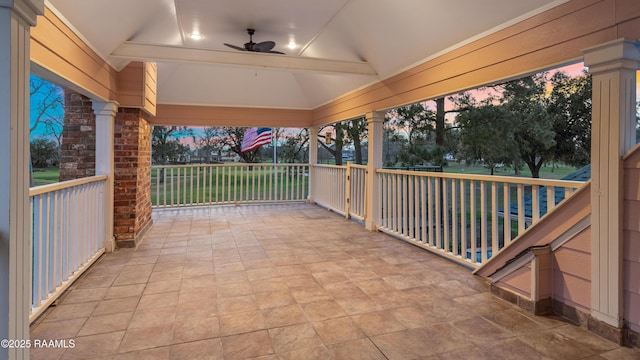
(78, 148)
(132, 176)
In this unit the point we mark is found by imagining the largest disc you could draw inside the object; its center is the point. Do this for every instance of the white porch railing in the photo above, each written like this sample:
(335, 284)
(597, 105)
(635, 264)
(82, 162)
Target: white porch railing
(467, 218)
(342, 189)
(356, 199)
(68, 235)
(331, 187)
(189, 185)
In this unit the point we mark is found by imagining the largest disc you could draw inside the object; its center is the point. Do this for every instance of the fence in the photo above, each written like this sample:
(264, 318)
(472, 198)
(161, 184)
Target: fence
(189, 185)
(68, 235)
(464, 217)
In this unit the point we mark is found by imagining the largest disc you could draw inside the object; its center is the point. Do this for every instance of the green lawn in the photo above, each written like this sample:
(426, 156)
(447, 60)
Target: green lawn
(46, 176)
(227, 185)
(546, 172)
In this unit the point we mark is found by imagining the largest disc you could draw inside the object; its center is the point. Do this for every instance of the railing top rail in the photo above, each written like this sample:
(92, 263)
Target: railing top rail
(229, 165)
(329, 166)
(38, 190)
(492, 178)
(358, 166)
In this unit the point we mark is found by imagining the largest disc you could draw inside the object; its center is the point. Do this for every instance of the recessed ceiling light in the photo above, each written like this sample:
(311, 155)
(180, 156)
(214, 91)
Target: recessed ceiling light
(196, 36)
(292, 44)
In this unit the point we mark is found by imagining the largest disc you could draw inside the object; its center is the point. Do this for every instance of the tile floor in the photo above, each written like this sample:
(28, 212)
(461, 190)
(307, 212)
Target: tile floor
(293, 281)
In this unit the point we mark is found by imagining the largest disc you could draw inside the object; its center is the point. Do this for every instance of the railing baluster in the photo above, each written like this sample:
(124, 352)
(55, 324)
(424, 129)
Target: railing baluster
(416, 209)
(506, 213)
(404, 217)
(551, 198)
(483, 221)
(494, 217)
(55, 238)
(430, 222)
(454, 217)
(463, 219)
(198, 185)
(395, 195)
(424, 219)
(521, 209)
(444, 208)
(535, 204)
(438, 201)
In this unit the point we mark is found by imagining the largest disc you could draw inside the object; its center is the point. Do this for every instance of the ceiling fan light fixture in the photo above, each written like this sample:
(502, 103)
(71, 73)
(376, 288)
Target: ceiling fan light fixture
(261, 47)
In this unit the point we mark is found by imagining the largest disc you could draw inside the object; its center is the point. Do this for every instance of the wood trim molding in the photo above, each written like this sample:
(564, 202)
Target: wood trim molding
(194, 115)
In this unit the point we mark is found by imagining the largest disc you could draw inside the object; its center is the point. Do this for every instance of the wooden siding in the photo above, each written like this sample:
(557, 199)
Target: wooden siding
(572, 272)
(137, 86)
(518, 282)
(631, 247)
(61, 56)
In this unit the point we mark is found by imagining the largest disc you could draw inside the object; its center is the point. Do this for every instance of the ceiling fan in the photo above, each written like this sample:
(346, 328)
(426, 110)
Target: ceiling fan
(262, 47)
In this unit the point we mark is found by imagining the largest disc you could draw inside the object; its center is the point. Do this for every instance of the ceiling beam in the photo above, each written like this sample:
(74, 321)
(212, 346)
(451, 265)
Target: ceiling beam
(170, 53)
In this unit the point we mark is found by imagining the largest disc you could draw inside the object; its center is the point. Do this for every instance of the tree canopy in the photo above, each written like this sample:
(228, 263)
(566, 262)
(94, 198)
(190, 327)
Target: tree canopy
(166, 146)
(532, 120)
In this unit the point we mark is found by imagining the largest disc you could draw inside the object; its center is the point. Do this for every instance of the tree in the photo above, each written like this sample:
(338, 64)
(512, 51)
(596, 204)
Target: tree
(209, 142)
(47, 107)
(417, 122)
(486, 135)
(356, 131)
(526, 114)
(337, 142)
(570, 104)
(43, 151)
(232, 137)
(415, 119)
(165, 143)
(294, 147)
(522, 120)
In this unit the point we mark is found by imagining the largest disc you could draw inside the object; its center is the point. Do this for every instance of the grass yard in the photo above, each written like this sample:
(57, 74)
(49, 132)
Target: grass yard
(227, 185)
(46, 176)
(546, 172)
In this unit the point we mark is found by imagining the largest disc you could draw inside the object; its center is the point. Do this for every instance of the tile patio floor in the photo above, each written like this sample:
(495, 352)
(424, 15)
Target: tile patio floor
(293, 281)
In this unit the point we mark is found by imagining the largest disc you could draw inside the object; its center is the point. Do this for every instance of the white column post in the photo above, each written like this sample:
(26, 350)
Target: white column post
(375, 120)
(105, 119)
(16, 19)
(613, 66)
(313, 160)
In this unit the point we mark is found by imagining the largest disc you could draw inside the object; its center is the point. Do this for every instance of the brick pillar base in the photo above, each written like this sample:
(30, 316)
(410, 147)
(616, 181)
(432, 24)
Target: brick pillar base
(132, 176)
(78, 148)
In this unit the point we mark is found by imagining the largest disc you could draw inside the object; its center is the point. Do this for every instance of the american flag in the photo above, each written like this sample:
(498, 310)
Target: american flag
(254, 138)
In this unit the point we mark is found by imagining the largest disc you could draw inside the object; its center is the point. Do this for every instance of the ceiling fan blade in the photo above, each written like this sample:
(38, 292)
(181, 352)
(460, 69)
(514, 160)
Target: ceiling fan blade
(276, 52)
(236, 47)
(264, 46)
